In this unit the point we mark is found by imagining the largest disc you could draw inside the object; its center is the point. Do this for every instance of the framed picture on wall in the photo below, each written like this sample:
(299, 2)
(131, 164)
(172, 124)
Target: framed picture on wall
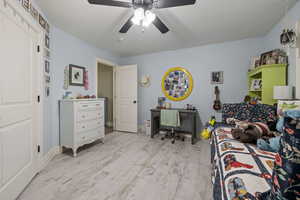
(47, 91)
(76, 75)
(34, 12)
(42, 21)
(47, 66)
(217, 77)
(25, 4)
(47, 41)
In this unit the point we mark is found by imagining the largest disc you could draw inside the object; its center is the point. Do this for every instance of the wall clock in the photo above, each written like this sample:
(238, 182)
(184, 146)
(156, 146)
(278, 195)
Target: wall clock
(177, 84)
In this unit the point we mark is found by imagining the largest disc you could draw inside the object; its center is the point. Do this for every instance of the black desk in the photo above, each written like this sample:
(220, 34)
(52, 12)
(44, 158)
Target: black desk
(188, 120)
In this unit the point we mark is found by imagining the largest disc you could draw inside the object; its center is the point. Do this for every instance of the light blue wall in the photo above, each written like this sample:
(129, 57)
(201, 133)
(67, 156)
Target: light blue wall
(272, 40)
(231, 57)
(67, 49)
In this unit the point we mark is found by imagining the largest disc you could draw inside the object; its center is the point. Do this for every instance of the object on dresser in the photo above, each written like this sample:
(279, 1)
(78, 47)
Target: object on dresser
(68, 95)
(81, 122)
(276, 56)
(256, 84)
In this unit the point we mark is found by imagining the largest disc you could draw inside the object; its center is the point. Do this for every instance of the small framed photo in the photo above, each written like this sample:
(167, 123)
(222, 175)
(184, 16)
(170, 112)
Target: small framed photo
(217, 77)
(34, 12)
(47, 91)
(76, 75)
(42, 21)
(47, 41)
(47, 79)
(25, 4)
(47, 66)
(47, 27)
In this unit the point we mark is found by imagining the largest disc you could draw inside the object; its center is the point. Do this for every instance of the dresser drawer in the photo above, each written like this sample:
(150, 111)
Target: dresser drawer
(89, 115)
(90, 136)
(89, 125)
(99, 105)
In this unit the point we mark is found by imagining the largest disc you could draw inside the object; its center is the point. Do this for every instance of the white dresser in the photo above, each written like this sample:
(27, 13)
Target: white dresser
(81, 122)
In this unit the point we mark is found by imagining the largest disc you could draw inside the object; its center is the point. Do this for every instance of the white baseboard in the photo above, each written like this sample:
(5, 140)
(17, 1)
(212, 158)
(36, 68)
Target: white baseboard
(49, 156)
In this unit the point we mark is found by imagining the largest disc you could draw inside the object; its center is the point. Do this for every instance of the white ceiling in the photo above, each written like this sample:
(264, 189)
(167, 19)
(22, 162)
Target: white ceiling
(208, 21)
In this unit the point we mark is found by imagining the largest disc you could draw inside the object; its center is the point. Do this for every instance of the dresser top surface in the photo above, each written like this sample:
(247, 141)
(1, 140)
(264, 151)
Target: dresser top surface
(78, 100)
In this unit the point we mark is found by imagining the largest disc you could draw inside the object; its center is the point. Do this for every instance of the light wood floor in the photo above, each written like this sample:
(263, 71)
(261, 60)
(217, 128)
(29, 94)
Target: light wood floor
(127, 167)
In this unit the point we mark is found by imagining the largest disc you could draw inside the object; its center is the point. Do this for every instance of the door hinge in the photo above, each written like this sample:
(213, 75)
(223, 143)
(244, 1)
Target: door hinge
(39, 148)
(38, 49)
(38, 99)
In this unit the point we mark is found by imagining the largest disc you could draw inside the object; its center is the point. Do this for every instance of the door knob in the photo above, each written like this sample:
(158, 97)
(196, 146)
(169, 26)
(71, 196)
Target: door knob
(134, 102)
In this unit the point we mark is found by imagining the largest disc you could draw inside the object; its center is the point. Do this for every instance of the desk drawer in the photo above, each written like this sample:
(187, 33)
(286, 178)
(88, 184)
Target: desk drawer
(89, 125)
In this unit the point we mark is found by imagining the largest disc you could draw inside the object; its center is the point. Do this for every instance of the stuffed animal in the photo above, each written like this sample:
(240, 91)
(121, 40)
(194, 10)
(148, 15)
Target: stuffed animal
(206, 133)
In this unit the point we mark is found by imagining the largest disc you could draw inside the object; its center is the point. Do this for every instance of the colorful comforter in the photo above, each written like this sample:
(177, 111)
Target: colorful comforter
(238, 170)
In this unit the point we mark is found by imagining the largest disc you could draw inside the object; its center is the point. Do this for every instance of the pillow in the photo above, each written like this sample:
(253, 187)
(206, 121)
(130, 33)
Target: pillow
(287, 105)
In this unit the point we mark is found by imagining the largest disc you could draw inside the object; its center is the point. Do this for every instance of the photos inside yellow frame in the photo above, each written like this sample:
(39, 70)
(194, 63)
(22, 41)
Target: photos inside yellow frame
(177, 84)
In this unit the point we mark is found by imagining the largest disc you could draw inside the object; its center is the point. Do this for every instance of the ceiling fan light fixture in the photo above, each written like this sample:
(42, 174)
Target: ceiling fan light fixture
(139, 13)
(149, 17)
(136, 21)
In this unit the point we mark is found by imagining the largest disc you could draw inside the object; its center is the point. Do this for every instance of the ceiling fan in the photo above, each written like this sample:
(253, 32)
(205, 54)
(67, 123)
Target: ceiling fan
(143, 14)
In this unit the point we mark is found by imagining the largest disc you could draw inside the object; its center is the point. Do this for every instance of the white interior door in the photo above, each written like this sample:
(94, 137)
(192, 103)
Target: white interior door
(18, 105)
(126, 98)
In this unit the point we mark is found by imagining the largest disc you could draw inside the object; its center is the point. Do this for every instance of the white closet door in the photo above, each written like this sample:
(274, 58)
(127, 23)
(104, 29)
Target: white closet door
(126, 98)
(18, 103)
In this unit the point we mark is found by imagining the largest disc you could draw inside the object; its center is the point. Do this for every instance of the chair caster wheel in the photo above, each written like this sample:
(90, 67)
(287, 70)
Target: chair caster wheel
(182, 139)
(173, 142)
(162, 138)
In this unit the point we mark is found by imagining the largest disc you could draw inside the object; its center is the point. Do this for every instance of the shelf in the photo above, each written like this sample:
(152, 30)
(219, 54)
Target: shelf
(255, 90)
(258, 70)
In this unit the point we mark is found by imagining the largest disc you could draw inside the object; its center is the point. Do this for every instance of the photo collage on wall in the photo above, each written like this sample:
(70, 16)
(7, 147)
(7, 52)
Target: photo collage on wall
(177, 84)
(38, 17)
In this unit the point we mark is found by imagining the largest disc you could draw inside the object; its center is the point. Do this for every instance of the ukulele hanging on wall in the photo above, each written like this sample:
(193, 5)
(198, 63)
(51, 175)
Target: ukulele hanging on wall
(217, 103)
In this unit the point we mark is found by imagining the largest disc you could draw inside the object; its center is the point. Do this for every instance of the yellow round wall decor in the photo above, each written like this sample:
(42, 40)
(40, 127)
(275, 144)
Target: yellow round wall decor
(177, 84)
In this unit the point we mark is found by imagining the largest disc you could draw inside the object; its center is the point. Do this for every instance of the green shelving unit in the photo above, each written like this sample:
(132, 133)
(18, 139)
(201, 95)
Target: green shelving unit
(270, 75)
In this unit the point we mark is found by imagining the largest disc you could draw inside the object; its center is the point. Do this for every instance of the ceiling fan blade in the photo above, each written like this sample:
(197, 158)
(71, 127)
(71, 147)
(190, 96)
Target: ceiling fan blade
(111, 3)
(173, 3)
(160, 25)
(126, 26)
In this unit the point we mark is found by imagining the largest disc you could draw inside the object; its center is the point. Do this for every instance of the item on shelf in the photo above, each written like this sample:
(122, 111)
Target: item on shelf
(255, 62)
(276, 56)
(256, 84)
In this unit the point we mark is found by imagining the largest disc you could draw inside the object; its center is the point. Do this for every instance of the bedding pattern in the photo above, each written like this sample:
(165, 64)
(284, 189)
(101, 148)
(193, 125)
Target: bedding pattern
(253, 113)
(239, 170)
